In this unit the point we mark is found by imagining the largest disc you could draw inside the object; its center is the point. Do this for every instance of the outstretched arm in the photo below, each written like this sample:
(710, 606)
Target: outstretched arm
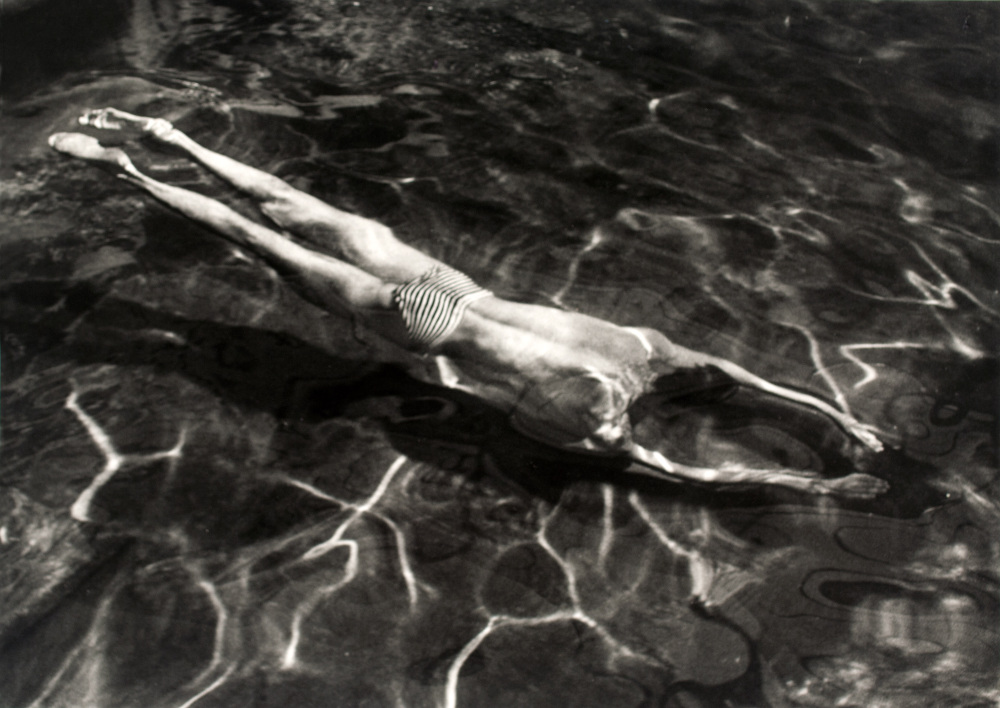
(655, 464)
(688, 358)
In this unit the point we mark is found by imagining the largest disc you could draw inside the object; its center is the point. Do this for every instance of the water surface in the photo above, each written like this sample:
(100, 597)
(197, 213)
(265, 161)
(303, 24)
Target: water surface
(216, 495)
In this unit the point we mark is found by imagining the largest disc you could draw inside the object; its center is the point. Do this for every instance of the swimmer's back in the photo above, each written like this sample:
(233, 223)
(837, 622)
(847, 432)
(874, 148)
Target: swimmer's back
(577, 333)
(566, 378)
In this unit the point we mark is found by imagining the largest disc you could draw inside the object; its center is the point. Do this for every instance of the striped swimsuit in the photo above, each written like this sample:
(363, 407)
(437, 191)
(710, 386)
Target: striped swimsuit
(433, 304)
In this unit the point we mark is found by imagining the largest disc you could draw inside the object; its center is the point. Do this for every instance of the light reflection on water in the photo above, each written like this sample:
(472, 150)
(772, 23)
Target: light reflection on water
(216, 495)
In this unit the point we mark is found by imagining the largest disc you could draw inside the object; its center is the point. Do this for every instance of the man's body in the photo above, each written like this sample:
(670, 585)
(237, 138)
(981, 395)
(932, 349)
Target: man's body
(566, 378)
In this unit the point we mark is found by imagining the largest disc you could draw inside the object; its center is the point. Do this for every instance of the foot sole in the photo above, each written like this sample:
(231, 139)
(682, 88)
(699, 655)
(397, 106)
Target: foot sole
(85, 147)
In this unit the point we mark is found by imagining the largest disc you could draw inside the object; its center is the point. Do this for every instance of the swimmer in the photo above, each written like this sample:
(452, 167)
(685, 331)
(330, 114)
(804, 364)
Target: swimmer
(565, 378)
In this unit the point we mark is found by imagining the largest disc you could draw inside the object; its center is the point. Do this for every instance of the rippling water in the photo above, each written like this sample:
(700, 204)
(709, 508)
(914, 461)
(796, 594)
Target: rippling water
(216, 495)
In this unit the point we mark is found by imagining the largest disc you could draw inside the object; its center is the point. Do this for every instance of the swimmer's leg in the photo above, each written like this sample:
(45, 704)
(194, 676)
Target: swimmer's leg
(321, 279)
(856, 486)
(364, 242)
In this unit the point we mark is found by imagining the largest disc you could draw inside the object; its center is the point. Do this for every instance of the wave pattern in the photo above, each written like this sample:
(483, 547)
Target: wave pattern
(213, 495)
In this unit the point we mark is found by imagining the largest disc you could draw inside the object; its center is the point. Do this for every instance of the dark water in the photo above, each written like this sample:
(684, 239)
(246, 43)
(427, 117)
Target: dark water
(215, 495)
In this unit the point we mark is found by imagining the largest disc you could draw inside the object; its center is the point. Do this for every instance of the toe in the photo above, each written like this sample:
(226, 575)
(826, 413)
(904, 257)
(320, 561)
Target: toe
(91, 117)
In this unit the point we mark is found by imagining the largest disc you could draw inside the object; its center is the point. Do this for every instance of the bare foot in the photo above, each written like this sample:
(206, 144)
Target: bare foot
(853, 486)
(90, 149)
(113, 119)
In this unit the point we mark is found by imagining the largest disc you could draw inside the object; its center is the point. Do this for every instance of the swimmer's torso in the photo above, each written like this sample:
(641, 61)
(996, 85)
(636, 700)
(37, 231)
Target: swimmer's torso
(565, 378)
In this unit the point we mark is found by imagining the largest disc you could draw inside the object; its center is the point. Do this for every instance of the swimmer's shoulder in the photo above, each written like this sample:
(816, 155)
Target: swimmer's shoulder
(664, 356)
(654, 343)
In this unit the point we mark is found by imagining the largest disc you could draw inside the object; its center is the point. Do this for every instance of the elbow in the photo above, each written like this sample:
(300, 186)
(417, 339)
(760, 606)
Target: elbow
(651, 458)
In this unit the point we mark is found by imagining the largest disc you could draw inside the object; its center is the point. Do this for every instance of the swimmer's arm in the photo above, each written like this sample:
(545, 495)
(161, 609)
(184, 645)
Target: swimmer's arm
(688, 358)
(655, 464)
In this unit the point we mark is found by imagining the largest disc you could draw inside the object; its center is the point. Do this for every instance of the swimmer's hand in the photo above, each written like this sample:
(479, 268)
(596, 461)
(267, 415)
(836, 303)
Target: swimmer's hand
(864, 433)
(853, 486)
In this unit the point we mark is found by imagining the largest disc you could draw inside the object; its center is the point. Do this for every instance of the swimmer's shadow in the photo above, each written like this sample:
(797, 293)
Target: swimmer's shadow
(303, 385)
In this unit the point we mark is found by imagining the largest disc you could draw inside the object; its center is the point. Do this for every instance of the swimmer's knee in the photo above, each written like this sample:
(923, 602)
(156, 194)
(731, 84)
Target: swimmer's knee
(290, 208)
(280, 211)
(367, 242)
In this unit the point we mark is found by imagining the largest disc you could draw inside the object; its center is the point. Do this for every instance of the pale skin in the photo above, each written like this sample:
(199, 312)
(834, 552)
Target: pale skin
(503, 348)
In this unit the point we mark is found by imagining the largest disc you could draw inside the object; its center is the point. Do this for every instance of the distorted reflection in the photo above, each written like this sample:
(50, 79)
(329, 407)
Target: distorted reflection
(216, 494)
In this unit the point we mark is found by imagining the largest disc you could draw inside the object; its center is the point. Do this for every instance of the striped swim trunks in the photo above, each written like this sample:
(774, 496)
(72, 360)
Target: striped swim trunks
(433, 304)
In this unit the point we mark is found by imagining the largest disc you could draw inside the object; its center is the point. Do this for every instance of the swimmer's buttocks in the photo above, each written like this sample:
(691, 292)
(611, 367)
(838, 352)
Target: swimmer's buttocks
(433, 304)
